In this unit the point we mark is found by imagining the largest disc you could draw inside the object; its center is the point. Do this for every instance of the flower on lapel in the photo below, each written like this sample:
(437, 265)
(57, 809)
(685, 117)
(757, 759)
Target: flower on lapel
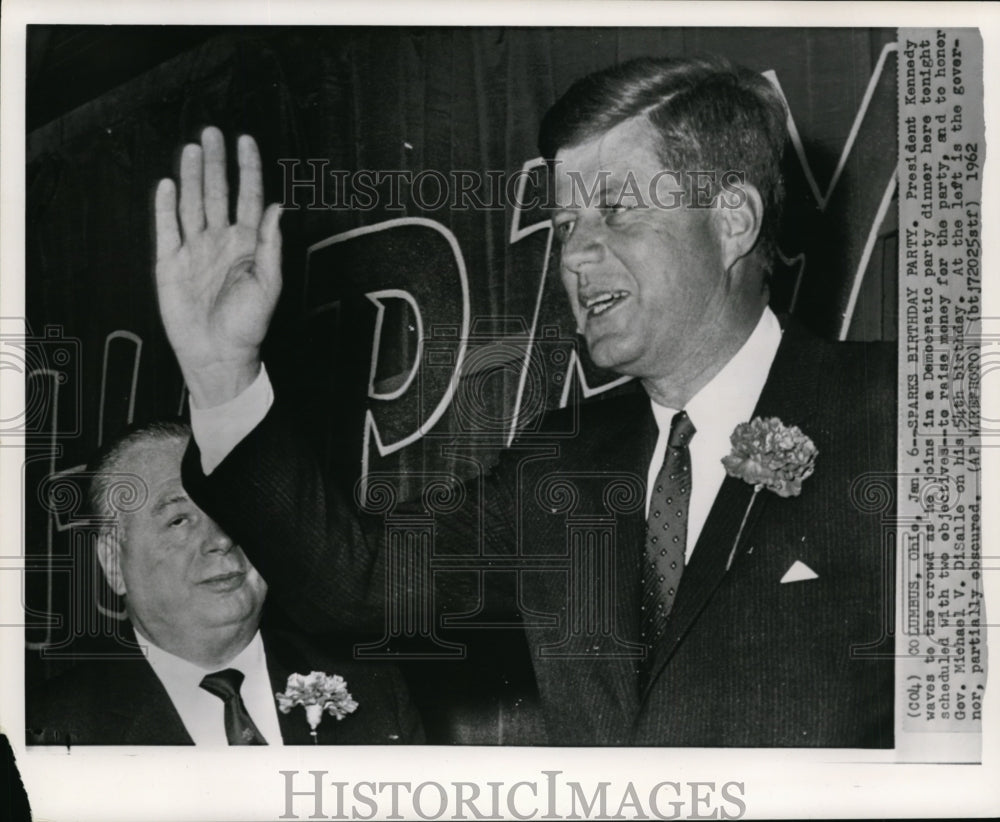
(317, 693)
(769, 454)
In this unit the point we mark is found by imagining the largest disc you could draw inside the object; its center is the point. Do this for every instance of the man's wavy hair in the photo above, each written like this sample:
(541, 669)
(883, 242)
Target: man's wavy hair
(710, 115)
(111, 483)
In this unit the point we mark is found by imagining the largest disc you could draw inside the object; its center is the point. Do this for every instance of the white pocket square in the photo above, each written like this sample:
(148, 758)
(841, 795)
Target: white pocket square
(799, 572)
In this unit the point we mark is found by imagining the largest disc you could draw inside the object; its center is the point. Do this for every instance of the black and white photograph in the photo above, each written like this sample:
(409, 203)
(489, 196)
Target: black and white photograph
(532, 415)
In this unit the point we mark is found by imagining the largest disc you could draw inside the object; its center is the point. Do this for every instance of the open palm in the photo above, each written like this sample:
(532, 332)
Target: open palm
(218, 282)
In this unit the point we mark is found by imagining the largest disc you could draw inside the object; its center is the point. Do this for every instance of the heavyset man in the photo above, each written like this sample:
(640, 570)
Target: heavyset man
(201, 669)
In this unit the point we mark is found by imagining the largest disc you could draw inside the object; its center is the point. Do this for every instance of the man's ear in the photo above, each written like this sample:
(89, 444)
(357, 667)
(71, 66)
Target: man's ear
(109, 551)
(739, 215)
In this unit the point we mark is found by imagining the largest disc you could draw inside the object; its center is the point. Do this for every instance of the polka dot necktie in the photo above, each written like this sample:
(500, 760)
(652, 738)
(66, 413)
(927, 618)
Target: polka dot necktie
(666, 531)
(240, 728)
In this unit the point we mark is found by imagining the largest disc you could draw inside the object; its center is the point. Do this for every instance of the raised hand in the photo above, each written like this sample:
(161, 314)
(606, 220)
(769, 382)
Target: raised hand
(218, 282)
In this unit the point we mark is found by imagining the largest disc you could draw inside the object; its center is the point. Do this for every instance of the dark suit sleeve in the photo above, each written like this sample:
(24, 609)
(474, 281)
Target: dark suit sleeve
(326, 563)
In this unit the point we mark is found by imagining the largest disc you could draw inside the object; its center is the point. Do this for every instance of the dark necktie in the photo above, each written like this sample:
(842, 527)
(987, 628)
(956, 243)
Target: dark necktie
(666, 531)
(240, 729)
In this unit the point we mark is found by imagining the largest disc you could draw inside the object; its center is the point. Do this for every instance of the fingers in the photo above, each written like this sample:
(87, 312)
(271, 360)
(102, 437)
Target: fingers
(216, 188)
(168, 236)
(250, 202)
(204, 191)
(192, 208)
(268, 258)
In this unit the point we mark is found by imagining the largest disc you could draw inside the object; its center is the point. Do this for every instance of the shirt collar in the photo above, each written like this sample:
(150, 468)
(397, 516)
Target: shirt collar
(731, 395)
(178, 673)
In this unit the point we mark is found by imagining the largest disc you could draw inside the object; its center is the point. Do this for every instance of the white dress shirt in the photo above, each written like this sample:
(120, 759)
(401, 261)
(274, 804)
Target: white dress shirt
(218, 430)
(725, 401)
(202, 712)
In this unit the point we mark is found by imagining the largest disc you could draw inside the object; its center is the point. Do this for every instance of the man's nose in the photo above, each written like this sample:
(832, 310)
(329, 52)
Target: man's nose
(216, 540)
(585, 245)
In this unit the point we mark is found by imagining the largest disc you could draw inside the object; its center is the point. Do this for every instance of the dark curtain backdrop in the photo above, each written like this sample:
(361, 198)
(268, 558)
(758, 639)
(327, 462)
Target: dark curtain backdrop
(351, 99)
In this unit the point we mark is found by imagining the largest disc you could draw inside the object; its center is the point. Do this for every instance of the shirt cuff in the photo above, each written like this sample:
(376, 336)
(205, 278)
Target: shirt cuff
(218, 430)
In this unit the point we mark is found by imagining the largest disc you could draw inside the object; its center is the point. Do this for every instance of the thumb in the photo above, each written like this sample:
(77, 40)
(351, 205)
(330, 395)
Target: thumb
(268, 256)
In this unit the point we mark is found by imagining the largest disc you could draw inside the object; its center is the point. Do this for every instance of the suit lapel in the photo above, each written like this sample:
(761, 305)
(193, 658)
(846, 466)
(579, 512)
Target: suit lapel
(294, 727)
(790, 393)
(155, 718)
(629, 442)
(707, 567)
(287, 654)
(631, 550)
(142, 706)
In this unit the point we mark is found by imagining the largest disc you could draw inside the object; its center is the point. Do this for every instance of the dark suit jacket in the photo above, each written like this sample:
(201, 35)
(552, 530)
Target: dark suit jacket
(746, 659)
(122, 702)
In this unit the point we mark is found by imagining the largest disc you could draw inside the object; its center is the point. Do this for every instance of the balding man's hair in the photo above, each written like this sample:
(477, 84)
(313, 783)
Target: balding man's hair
(710, 115)
(113, 488)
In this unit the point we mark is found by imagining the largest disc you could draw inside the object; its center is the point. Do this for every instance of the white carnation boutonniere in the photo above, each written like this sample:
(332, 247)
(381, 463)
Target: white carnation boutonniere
(318, 693)
(769, 454)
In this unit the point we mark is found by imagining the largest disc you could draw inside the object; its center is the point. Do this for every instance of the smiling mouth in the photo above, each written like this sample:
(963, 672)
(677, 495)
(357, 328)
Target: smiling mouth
(598, 304)
(224, 582)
